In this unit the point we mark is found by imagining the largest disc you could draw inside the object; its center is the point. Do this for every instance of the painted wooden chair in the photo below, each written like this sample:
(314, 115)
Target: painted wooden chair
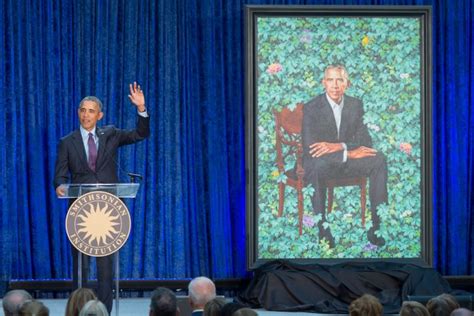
(288, 126)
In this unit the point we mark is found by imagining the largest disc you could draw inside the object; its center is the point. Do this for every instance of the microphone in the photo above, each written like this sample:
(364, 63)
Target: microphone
(133, 176)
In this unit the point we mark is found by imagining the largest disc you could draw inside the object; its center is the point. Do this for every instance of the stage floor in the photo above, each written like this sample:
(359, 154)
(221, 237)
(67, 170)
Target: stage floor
(139, 306)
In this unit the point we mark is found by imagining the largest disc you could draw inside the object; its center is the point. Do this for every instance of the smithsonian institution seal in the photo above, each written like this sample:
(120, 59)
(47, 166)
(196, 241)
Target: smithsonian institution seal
(98, 224)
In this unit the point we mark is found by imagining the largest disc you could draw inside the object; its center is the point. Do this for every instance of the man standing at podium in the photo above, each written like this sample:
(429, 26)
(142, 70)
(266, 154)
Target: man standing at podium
(88, 155)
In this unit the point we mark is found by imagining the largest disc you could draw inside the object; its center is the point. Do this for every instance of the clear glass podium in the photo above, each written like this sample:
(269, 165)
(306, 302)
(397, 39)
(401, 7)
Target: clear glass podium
(121, 190)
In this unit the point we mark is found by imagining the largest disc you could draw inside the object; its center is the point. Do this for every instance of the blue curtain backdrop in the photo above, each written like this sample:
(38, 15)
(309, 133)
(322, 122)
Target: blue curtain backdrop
(188, 55)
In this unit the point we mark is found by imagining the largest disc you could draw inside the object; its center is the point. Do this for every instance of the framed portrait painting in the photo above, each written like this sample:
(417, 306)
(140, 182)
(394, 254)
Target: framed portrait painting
(338, 123)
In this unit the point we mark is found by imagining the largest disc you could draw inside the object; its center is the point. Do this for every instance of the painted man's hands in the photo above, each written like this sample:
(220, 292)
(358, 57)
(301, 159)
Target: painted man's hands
(323, 148)
(361, 152)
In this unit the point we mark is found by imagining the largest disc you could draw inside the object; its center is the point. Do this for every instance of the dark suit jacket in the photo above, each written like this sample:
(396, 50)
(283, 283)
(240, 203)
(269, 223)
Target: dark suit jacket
(71, 162)
(319, 125)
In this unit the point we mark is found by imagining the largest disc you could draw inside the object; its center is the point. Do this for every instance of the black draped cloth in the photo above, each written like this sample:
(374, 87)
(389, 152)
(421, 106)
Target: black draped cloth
(285, 286)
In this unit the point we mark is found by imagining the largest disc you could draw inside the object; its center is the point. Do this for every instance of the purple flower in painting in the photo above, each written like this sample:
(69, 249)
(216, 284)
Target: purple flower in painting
(369, 247)
(307, 37)
(308, 221)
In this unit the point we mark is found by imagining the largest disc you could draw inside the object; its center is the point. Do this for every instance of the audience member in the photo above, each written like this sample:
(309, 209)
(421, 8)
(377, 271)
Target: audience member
(13, 300)
(413, 308)
(230, 308)
(201, 290)
(78, 299)
(245, 312)
(366, 305)
(442, 305)
(214, 307)
(462, 312)
(94, 308)
(33, 308)
(163, 303)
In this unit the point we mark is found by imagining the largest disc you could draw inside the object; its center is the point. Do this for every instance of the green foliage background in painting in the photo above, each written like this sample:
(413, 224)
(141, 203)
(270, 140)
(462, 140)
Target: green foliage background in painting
(382, 56)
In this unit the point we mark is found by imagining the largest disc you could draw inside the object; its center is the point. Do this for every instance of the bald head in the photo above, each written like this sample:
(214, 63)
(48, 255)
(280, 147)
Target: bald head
(462, 312)
(201, 290)
(13, 300)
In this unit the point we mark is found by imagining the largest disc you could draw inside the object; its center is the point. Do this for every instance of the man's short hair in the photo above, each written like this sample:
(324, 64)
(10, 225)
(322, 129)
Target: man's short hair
(163, 302)
(442, 304)
(94, 99)
(245, 312)
(201, 290)
(366, 305)
(13, 300)
(214, 306)
(33, 308)
(341, 68)
(413, 308)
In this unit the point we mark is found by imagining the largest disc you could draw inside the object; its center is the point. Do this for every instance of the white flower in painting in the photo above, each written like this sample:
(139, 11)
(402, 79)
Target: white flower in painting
(404, 76)
(373, 127)
(347, 216)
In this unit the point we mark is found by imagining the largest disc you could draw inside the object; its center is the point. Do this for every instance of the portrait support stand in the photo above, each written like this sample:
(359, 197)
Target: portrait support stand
(120, 190)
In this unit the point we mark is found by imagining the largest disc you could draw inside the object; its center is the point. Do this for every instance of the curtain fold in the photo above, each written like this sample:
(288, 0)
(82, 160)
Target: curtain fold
(189, 57)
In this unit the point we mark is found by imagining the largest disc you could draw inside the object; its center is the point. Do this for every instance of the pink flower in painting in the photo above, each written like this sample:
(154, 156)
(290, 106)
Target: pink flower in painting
(274, 68)
(406, 148)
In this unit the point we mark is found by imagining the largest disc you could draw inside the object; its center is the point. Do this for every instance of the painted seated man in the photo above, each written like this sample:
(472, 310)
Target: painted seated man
(337, 144)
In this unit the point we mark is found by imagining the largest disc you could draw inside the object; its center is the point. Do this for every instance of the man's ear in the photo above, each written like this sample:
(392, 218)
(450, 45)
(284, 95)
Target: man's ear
(348, 83)
(101, 115)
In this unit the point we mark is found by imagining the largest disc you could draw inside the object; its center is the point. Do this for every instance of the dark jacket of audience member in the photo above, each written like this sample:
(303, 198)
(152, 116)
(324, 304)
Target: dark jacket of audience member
(229, 308)
(413, 308)
(366, 305)
(442, 305)
(13, 300)
(77, 300)
(163, 303)
(214, 307)
(33, 308)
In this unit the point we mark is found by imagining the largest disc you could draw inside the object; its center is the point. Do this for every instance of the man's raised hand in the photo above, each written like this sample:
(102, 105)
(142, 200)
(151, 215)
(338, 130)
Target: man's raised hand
(137, 97)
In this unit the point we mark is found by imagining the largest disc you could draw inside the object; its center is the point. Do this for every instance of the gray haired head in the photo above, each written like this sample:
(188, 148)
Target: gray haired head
(94, 99)
(201, 290)
(339, 67)
(13, 300)
(95, 308)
